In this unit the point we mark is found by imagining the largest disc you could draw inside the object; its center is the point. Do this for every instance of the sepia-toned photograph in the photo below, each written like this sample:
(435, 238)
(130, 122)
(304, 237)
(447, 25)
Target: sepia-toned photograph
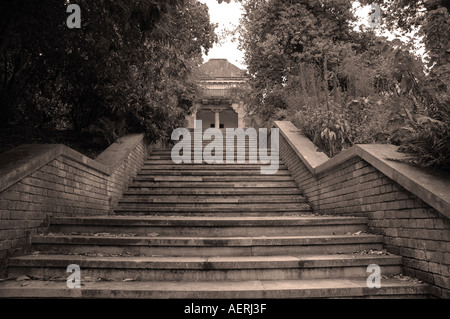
(224, 158)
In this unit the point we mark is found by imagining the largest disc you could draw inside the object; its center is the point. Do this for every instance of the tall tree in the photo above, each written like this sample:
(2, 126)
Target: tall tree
(429, 140)
(127, 68)
(278, 36)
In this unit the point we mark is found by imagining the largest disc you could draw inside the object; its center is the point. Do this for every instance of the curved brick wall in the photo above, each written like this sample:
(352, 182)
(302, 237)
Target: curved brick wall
(406, 205)
(40, 181)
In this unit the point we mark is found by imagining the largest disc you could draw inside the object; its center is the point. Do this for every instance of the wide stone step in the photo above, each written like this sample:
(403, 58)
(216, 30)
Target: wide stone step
(206, 246)
(199, 148)
(252, 145)
(205, 166)
(224, 164)
(197, 183)
(218, 180)
(253, 289)
(207, 199)
(211, 226)
(213, 206)
(167, 159)
(137, 189)
(210, 171)
(242, 161)
(250, 158)
(190, 210)
(231, 268)
(237, 148)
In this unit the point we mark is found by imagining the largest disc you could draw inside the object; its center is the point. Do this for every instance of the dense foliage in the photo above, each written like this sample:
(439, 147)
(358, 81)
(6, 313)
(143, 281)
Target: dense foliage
(342, 85)
(128, 68)
(428, 141)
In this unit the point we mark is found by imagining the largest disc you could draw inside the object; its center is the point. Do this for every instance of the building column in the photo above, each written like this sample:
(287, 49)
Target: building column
(217, 117)
(193, 117)
(239, 109)
(217, 120)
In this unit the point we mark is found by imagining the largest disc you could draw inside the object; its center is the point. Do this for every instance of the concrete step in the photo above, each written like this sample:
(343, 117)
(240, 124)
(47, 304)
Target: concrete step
(189, 212)
(253, 289)
(201, 166)
(208, 199)
(249, 158)
(243, 181)
(211, 226)
(248, 154)
(198, 183)
(152, 159)
(209, 171)
(234, 149)
(199, 210)
(137, 189)
(224, 142)
(45, 267)
(218, 206)
(169, 161)
(198, 150)
(206, 246)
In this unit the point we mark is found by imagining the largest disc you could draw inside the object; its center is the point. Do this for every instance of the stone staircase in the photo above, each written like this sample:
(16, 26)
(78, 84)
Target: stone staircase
(208, 231)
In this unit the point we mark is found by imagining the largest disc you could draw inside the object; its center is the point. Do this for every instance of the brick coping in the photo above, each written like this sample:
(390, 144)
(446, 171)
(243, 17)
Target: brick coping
(22, 160)
(429, 185)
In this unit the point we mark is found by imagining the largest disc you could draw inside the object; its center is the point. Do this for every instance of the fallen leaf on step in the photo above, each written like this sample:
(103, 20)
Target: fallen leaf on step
(102, 234)
(22, 278)
(357, 233)
(128, 279)
(54, 278)
(153, 234)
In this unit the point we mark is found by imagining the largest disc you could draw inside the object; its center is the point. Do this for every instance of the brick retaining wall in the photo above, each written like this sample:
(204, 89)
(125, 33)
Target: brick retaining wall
(350, 185)
(40, 181)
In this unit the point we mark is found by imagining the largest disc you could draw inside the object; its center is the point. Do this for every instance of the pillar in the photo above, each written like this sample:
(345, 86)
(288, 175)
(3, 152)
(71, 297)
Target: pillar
(193, 117)
(217, 119)
(239, 109)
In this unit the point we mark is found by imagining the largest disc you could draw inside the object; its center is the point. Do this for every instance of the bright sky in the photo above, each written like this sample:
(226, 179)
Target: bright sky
(227, 15)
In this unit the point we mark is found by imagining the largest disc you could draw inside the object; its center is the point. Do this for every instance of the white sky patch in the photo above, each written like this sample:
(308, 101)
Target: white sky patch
(227, 15)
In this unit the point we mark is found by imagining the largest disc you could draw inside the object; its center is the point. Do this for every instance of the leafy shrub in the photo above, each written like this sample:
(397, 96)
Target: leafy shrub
(360, 121)
(329, 130)
(368, 119)
(428, 144)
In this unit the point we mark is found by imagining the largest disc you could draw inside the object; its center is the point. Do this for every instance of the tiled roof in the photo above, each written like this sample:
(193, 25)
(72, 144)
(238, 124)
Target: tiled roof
(220, 68)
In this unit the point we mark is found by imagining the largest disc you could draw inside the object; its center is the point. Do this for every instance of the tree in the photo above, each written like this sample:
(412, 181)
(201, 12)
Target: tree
(128, 68)
(278, 35)
(296, 53)
(428, 141)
